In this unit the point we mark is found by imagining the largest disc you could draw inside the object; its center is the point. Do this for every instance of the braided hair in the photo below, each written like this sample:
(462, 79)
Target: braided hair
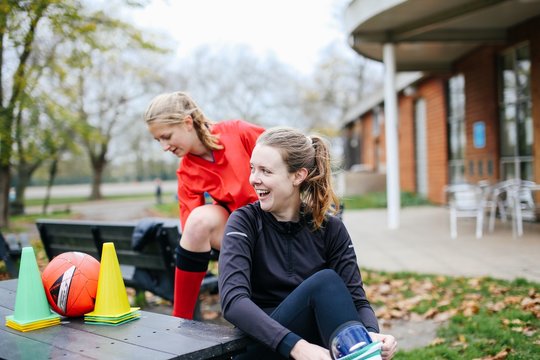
(173, 108)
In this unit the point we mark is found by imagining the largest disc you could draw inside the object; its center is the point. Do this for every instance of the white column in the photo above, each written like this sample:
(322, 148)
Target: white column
(391, 121)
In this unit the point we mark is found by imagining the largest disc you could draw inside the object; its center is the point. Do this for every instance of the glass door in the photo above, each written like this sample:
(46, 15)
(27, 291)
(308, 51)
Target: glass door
(516, 130)
(456, 129)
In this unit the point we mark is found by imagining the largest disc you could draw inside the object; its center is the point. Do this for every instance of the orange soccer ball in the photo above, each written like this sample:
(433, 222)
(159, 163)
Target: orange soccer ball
(70, 281)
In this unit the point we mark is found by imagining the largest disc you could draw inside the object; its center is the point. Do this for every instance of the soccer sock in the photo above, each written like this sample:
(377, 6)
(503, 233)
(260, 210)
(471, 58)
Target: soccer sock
(190, 271)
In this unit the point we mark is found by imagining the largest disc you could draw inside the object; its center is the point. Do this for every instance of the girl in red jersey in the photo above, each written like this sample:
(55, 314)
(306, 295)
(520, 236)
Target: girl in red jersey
(214, 160)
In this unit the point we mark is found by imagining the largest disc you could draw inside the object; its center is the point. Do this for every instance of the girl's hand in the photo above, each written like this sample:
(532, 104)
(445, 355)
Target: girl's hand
(305, 350)
(389, 344)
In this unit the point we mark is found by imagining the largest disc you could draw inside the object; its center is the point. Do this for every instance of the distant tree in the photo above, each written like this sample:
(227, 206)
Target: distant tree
(106, 90)
(42, 128)
(340, 81)
(337, 85)
(19, 22)
(232, 82)
(40, 136)
(26, 27)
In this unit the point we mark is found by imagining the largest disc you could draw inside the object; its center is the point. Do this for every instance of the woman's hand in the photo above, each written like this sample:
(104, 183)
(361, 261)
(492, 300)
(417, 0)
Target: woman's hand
(389, 344)
(305, 350)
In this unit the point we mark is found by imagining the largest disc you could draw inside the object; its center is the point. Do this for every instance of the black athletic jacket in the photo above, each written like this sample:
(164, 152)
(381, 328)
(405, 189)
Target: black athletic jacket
(262, 260)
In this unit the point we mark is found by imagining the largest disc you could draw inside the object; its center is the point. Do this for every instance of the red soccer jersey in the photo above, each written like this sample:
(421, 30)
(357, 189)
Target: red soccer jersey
(226, 178)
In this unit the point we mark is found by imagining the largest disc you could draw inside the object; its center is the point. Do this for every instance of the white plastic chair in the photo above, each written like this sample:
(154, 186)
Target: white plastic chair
(498, 201)
(521, 205)
(513, 198)
(465, 200)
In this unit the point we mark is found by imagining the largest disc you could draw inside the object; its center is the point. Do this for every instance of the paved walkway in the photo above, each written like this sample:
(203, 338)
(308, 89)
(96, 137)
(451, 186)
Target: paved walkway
(423, 244)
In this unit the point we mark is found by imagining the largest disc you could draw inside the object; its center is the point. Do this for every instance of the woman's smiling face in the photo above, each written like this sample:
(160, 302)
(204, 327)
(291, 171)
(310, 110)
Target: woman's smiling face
(277, 189)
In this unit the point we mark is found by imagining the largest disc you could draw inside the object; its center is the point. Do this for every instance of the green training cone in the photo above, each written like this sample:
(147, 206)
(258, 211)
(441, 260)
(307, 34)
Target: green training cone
(31, 303)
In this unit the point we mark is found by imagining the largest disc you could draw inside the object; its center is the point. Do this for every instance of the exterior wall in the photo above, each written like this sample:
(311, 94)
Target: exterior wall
(352, 135)
(381, 143)
(368, 141)
(359, 183)
(530, 31)
(407, 160)
(347, 151)
(535, 93)
(481, 104)
(433, 91)
(372, 145)
(480, 70)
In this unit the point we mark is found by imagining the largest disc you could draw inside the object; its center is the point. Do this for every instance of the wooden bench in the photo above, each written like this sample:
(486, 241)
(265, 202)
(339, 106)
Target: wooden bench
(10, 251)
(152, 268)
(9, 256)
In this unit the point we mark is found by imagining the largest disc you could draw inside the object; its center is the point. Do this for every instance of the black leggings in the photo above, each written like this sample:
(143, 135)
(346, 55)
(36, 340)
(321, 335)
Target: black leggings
(317, 307)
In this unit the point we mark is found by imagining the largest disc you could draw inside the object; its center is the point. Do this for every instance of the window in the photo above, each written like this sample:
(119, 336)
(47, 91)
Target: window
(377, 121)
(456, 128)
(515, 104)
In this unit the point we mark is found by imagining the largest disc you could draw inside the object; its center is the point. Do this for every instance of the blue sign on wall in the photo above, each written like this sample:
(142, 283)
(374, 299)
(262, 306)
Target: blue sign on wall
(479, 134)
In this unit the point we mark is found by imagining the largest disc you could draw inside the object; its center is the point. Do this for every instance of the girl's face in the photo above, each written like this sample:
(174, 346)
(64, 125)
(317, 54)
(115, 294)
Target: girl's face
(179, 139)
(277, 189)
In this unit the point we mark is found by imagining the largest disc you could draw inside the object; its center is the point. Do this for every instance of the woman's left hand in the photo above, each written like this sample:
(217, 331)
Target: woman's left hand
(389, 344)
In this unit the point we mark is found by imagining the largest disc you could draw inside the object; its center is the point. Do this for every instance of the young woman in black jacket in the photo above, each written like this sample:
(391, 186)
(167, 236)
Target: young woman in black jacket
(288, 274)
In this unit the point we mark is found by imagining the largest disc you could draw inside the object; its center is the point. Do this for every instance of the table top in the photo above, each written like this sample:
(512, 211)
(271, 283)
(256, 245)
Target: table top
(154, 336)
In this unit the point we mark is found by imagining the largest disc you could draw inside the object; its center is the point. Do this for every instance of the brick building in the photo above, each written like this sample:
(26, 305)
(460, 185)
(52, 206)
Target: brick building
(467, 85)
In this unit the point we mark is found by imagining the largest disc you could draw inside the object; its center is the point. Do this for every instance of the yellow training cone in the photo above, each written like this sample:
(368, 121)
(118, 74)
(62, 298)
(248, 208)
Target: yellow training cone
(111, 297)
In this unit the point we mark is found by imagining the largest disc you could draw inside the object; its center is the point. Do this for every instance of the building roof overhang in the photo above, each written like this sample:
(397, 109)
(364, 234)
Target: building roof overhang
(429, 35)
(375, 98)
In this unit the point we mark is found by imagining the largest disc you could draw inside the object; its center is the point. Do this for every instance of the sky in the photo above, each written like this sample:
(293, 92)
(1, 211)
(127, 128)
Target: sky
(292, 30)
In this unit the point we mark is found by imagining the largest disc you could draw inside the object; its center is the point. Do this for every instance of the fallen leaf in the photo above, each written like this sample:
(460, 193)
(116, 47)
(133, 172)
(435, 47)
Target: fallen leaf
(501, 355)
(431, 313)
(512, 300)
(497, 289)
(437, 341)
(496, 307)
(469, 308)
(444, 316)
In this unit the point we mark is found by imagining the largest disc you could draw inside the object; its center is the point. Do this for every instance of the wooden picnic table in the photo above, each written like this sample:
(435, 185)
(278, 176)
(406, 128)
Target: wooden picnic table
(153, 336)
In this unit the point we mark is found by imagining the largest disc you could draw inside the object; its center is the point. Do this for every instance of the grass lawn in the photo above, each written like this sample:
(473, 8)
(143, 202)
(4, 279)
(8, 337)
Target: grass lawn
(483, 318)
(378, 200)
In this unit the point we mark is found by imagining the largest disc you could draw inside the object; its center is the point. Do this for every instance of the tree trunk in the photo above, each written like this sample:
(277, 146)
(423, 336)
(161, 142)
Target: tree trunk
(52, 175)
(6, 148)
(23, 179)
(99, 163)
(25, 171)
(4, 193)
(97, 176)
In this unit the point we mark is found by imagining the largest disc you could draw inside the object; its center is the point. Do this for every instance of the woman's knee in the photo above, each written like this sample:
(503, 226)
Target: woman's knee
(326, 276)
(204, 226)
(326, 280)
